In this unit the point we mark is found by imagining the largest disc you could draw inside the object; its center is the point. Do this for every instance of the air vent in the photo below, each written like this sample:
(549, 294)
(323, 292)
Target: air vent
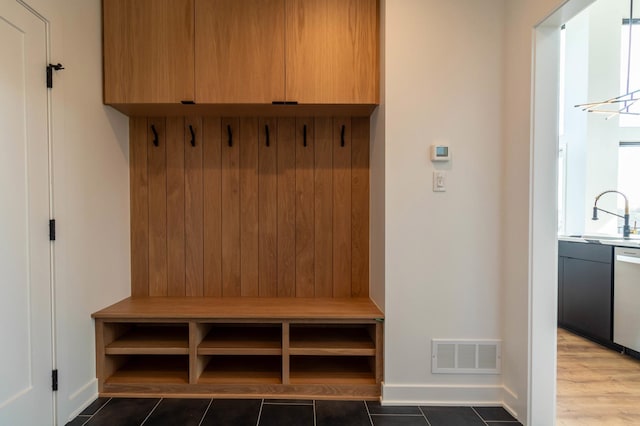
(465, 356)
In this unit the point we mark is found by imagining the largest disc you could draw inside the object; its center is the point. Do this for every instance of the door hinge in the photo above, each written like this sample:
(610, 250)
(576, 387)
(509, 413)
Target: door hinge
(52, 230)
(50, 69)
(54, 380)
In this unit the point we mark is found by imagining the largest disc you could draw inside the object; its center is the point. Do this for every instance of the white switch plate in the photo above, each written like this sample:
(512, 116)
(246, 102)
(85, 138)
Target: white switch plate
(439, 181)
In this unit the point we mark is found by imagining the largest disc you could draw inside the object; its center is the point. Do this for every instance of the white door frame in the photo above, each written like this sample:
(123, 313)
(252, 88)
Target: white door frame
(543, 247)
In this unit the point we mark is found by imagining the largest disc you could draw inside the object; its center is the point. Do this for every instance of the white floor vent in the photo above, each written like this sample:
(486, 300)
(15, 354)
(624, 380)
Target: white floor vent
(465, 356)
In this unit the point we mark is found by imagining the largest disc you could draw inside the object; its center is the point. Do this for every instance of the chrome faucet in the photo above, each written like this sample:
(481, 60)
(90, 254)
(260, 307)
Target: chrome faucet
(626, 230)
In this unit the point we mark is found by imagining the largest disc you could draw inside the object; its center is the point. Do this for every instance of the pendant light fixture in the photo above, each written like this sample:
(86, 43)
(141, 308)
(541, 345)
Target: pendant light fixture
(620, 105)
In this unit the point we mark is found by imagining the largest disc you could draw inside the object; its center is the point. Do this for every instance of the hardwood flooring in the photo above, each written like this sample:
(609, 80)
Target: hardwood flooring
(596, 385)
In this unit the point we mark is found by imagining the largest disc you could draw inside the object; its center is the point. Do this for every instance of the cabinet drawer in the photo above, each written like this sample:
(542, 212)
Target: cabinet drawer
(586, 251)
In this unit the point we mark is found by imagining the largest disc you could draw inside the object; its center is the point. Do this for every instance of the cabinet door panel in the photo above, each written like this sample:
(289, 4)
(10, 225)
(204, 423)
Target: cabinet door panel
(331, 51)
(239, 51)
(586, 297)
(148, 51)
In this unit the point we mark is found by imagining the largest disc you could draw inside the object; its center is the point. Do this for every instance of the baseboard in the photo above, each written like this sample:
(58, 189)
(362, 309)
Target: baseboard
(510, 401)
(82, 398)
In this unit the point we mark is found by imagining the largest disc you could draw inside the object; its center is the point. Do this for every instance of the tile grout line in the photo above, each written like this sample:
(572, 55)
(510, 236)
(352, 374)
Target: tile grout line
(151, 412)
(97, 411)
(366, 406)
(314, 413)
(260, 412)
(424, 415)
(205, 412)
(478, 414)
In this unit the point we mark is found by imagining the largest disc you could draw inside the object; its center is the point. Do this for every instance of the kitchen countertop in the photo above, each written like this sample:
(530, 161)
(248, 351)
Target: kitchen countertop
(611, 240)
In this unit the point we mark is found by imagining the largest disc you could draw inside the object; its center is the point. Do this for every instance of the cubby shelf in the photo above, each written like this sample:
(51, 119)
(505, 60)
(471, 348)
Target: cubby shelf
(262, 348)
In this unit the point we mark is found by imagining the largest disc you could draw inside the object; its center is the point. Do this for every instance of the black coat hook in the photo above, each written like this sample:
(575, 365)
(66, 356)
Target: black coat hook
(266, 131)
(304, 135)
(193, 135)
(230, 135)
(155, 135)
(342, 136)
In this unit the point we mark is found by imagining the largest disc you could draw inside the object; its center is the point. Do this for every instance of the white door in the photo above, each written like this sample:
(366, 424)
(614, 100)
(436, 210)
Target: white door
(25, 268)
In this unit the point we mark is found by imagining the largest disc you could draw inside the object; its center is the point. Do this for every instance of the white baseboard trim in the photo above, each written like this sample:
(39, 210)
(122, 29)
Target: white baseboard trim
(511, 400)
(450, 395)
(82, 398)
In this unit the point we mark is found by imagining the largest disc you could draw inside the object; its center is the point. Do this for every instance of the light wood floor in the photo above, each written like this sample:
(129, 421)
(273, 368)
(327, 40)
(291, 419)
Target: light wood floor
(596, 386)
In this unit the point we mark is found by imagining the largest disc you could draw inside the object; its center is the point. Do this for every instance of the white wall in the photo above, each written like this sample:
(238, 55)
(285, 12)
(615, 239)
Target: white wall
(443, 77)
(91, 196)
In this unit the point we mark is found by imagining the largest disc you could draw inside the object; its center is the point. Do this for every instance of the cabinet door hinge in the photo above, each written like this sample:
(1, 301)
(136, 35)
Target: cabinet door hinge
(52, 230)
(54, 380)
(50, 69)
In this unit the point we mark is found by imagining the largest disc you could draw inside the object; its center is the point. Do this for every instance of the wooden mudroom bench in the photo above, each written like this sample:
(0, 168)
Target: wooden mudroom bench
(240, 347)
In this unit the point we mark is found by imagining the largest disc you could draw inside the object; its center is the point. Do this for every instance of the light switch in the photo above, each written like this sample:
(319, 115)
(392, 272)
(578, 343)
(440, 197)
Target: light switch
(439, 184)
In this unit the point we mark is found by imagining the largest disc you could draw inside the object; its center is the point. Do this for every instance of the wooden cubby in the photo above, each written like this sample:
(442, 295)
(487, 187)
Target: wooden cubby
(240, 347)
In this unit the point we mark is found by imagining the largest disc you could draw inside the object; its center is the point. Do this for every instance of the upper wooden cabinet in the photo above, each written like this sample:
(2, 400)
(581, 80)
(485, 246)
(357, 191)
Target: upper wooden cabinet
(239, 51)
(148, 51)
(218, 52)
(332, 51)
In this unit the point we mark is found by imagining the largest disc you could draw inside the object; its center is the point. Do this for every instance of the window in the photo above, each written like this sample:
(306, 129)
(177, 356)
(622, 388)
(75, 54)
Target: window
(629, 177)
(634, 79)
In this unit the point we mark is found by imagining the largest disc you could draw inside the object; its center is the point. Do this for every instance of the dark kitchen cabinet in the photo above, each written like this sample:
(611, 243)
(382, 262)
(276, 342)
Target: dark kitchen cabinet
(585, 289)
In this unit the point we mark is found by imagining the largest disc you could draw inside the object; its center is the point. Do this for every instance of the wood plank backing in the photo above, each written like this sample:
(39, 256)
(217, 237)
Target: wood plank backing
(268, 208)
(156, 160)
(305, 241)
(212, 193)
(175, 207)
(323, 184)
(359, 207)
(342, 207)
(248, 139)
(261, 218)
(286, 207)
(231, 208)
(139, 187)
(193, 208)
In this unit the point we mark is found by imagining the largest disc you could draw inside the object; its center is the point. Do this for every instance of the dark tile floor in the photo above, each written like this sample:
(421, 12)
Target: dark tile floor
(256, 412)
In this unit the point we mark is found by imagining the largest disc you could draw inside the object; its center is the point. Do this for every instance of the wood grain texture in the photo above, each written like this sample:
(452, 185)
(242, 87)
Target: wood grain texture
(231, 210)
(305, 199)
(239, 51)
(212, 193)
(250, 220)
(595, 385)
(246, 110)
(267, 391)
(157, 163)
(148, 51)
(139, 187)
(286, 361)
(286, 207)
(175, 207)
(332, 51)
(254, 308)
(249, 248)
(268, 208)
(194, 248)
(342, 208)
(323, 185)
(360, 207)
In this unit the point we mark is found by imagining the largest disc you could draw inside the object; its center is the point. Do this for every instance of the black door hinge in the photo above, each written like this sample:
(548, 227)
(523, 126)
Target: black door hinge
(52, 230)
(54, 380)
(50, 69)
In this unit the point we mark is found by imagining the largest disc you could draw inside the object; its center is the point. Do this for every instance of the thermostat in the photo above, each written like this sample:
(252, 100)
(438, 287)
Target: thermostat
(440, 153)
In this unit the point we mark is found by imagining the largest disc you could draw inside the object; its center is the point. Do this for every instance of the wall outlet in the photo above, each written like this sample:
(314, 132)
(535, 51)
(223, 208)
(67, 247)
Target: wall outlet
(439, 181)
